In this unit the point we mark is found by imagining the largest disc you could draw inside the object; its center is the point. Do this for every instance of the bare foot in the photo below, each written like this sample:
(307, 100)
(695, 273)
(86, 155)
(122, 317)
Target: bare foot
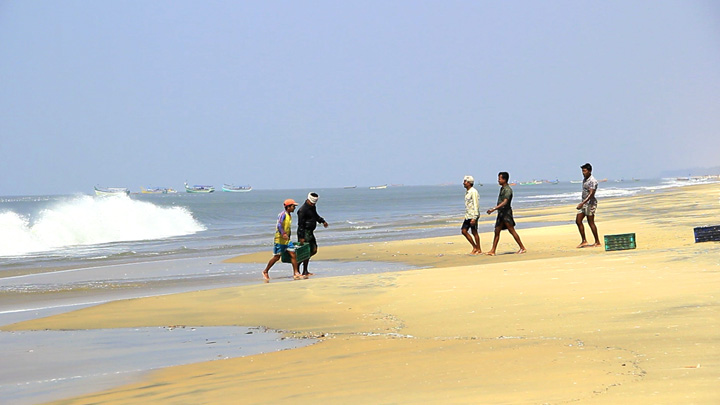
(308, 274)
(490, 253)
(298, 276)
(597, 244)
(582, 245)
(476, 252)
(266, 276)
(521, 251)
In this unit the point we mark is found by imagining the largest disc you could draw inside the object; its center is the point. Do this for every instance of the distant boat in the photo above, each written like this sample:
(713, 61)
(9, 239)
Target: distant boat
(156, 190)
(236, 189)
(384, 186)
(575, 181)
(350, 187)
(199, 189)
(602, 181)
(108, 191)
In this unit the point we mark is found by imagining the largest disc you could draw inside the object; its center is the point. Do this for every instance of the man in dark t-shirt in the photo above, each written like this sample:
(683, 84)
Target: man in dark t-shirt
(308, 219)
(505, 218)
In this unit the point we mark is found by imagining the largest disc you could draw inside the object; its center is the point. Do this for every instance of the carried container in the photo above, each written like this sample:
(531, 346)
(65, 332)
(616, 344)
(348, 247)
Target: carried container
(302, 251)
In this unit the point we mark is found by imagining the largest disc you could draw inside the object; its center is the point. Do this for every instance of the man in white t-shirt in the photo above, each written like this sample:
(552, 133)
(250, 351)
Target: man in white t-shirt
(472, 213)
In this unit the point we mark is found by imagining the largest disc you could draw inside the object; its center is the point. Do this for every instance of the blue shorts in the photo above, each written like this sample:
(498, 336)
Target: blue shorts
(279, 249)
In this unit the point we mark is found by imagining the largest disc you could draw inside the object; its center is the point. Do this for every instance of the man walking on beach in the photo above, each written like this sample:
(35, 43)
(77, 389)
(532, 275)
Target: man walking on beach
(472, 213)
(282, 240)
(308, 219)
(505, 216)
(587, 207)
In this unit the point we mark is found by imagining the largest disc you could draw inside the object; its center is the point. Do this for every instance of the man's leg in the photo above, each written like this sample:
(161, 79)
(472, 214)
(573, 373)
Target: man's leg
(469, 239)
(272, 262)
(515, 235)
(313, 252)
(496, 239)
(578, 220)
(593, 228)
(478, 249)
(296, 270)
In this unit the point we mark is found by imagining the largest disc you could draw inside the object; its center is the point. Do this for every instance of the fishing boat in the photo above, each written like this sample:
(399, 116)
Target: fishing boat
(236, 189)
(384, 186)
(575, 181)
(156, 190)
(108, 191)
(199, 189)
(348, 187)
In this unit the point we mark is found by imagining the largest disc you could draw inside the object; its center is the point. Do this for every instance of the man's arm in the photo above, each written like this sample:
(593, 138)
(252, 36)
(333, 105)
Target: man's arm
(318, 218)
(280, 228)
(589, 197)
(476, 206)
(502, 204)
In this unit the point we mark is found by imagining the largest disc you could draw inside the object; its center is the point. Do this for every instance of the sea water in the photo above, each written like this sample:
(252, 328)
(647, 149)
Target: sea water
(82, 230)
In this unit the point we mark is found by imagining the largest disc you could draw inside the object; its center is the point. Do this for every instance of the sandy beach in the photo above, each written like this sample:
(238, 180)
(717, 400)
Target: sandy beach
(555, 325)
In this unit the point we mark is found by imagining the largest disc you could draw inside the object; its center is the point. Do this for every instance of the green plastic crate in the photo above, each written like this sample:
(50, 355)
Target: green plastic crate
(302, 251)
(622, 241)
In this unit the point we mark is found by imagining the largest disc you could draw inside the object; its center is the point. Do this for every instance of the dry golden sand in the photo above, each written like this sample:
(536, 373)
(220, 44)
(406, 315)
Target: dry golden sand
(555, 325)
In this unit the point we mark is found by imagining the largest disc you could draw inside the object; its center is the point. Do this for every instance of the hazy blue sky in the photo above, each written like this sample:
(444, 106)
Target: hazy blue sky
(285, 94)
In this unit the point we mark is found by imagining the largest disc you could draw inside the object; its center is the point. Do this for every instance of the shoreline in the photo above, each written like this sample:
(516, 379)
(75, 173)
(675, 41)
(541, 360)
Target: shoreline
(555, 324)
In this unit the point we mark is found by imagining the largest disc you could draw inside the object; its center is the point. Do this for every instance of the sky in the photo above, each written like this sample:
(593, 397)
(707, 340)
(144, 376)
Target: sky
(288, 94)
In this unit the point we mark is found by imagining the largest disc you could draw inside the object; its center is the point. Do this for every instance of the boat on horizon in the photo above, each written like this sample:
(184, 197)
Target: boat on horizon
(384, 186)
(157, 190)
(236, 189)
(347, 187)
(108, 191)
(199, 189)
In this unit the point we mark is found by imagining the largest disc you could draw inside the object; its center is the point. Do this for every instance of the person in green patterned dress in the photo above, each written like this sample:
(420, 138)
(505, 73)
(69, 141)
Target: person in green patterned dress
(505, 217)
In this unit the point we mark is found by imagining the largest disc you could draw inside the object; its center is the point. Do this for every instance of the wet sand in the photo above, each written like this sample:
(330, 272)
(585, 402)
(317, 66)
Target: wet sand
(554, 325)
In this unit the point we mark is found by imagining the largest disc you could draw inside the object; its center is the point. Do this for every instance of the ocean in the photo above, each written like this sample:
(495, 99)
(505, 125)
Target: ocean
(52, 232)
(61, 253)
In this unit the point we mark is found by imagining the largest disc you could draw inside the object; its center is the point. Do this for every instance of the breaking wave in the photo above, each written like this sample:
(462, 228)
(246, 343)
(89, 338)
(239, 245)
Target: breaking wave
(90, 221)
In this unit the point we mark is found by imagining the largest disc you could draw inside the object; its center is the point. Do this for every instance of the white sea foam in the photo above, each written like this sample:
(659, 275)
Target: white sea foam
(89, 221)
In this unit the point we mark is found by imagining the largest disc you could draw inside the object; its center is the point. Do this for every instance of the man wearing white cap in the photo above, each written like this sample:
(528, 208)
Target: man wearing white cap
(472, 213)
(308, 219)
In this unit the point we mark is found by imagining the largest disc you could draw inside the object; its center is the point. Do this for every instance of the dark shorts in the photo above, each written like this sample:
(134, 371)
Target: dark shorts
(466, 225)
(309, 237)
(504, 218)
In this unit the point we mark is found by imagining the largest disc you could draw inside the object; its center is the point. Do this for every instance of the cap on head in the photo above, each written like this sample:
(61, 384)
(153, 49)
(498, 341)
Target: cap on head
(469, 179)
(289, 202)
